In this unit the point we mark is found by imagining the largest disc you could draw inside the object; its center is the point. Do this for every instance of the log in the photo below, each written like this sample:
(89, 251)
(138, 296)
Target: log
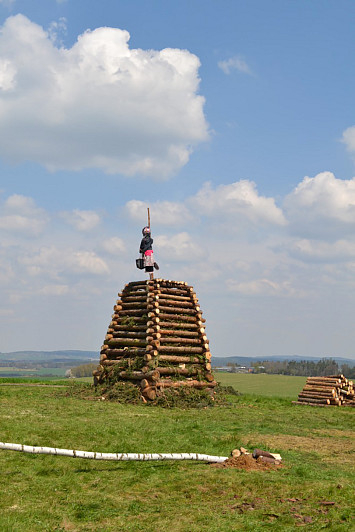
(176, 317)
(111, 456)
(139, 312)
(209, 377)
(144, 384)
(128, 299)
(177, 371)
(193, 325)
(309, 400)
(315, 394)
(175, 292)
(178, 349)
(320, 388)
(129, 342)
(125, 352)
(172, 340)
(136, 283)
(173, 303)
(128, 334)
(180, 359)
(180, 310)
(133, 328)
(127, 320)
(192, 383)
(165, 295)
(149, 393)
(321, 380)
(189, 334)
(129, 305)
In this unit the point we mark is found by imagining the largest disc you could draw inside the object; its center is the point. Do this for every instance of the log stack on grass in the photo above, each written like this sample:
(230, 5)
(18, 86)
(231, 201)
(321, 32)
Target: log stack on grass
(156, 339)
(333, 390)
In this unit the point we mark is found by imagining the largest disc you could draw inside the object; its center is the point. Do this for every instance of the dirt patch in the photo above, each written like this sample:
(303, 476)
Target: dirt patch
(328, 448)
(246, 462)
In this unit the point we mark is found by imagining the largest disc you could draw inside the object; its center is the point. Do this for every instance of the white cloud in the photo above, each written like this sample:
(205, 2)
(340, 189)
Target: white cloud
(19, 214)
(234, 63)
(99, 104)
(180, 247)
(161, 212)
(314, 250)
(349, 138)
(7, 3)
(239, 200)
(54, 290)
(53, 261)
(322, 206)
(114, 245)
(260, 287)
(82, 220)
(57, 29)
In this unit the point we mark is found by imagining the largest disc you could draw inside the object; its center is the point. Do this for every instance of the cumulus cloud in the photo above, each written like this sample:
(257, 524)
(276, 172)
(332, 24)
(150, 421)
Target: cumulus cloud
(322, 206)
(57, 29)
(19, 214)
(54, 261)
(162, 212)
(349, 138)
(319, 251)
(82, 220)
(234, 63)
(54, 290)
(260, 287)
(239, 200)
(113, 245)
(180, 247)
(99, 104)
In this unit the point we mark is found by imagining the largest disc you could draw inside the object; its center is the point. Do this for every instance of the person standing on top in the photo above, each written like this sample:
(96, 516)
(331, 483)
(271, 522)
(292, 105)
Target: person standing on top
(147, 252)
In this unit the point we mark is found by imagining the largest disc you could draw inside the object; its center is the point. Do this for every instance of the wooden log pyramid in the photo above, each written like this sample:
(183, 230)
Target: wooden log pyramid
(156, 339)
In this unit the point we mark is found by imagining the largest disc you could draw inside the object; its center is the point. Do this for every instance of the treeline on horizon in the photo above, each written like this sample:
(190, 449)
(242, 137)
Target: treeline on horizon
(304, 368)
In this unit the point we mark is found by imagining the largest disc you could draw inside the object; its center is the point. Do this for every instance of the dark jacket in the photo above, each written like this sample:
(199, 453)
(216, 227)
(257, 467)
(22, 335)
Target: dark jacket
(146, 244)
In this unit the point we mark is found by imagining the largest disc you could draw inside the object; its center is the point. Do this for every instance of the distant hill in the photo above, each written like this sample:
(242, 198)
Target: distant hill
(246, 361)
(56, 357)
(72, 357)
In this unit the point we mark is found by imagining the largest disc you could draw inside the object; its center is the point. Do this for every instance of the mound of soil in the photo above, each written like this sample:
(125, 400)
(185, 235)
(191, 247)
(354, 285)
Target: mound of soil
(246, 462)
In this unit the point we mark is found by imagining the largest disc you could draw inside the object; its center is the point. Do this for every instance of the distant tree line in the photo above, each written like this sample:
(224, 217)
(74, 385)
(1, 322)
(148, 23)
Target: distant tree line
(325, 366)
(84, 370)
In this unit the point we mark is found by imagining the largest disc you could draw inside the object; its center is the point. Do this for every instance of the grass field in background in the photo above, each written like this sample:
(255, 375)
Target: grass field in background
(262, 384)
(313, 489)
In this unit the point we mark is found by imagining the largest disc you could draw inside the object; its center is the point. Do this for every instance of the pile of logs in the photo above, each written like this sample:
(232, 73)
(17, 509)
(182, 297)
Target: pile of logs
(156, 339)
(333, 390)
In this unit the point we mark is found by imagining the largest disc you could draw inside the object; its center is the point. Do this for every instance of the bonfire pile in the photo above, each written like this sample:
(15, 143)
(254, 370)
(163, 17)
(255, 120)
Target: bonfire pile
(331, 390)
(156, 339)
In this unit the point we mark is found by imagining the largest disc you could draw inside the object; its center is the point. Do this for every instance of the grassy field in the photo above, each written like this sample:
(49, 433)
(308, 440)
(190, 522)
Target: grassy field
(262, 384)
(30, 373)
(314, 488)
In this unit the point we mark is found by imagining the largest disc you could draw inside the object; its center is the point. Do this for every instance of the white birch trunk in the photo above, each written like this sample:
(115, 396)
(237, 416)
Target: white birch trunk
(111, 456)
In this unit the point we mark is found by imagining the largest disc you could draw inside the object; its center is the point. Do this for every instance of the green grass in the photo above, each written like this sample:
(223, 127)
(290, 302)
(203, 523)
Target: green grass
(30, 373)
(263, 384)
(57, 493)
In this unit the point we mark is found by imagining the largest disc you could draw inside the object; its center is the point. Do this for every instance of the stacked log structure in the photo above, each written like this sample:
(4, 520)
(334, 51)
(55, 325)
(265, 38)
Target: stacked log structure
(333, 390)
(156, 339)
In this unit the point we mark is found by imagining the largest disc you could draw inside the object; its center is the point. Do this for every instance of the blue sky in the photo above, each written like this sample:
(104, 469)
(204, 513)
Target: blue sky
(232, 120)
